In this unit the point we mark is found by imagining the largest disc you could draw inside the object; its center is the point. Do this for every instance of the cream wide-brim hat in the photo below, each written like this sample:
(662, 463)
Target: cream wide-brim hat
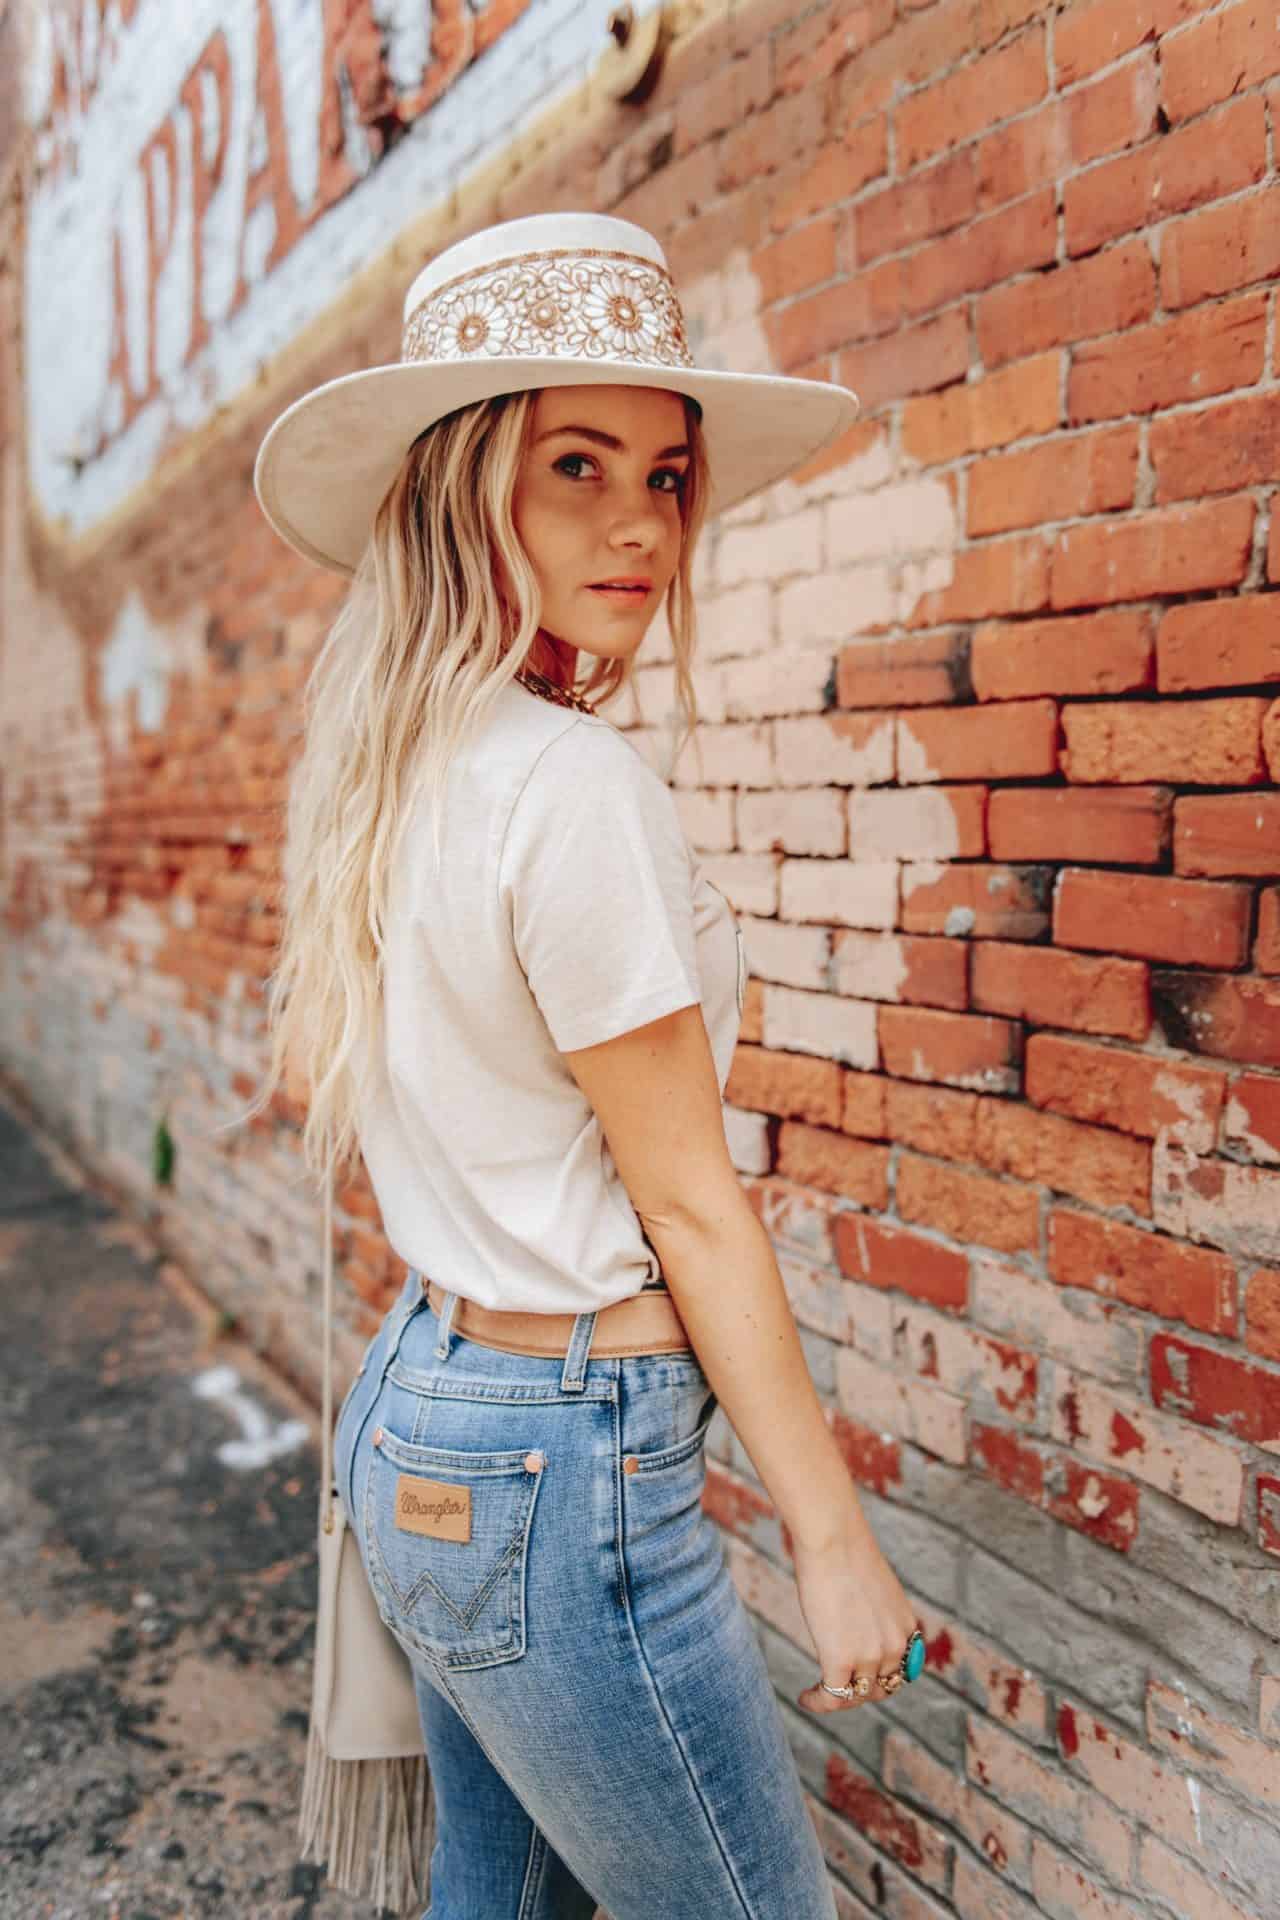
(556, 299)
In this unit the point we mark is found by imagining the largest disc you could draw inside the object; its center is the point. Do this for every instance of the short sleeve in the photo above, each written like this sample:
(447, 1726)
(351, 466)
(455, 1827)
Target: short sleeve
(595, 875)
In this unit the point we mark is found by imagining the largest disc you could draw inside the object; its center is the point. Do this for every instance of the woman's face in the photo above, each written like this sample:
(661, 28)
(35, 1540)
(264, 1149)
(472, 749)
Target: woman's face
(598, 498)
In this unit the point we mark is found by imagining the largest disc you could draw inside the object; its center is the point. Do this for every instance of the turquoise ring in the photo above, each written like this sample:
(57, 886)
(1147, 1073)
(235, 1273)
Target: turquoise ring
(912, 1662)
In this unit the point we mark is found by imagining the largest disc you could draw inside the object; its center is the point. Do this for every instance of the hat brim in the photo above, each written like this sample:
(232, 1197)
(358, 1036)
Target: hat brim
(326, 463)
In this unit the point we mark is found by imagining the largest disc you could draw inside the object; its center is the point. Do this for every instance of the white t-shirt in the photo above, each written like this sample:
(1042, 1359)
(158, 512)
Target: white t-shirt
(568, 907)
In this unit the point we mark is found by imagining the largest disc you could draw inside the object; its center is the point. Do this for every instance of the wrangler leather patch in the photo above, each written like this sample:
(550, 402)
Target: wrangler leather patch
(434, 1507)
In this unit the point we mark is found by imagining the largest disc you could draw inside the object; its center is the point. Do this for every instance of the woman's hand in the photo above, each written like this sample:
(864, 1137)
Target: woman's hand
(857, 1612)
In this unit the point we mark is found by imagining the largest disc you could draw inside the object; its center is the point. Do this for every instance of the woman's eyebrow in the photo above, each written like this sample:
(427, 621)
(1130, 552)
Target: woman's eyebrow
(607, 440)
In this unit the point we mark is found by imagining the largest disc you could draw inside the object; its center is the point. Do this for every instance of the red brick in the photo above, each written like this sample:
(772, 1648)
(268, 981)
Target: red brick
(1221, 154)
(910, 360)
(1055, 480)
(1253, 1117)
(1221, 248)
(1088, 37)
(1262, 1314)
(1266, 948)
(862, 1103)
(884, 1256)
(1219, 643)
(1273, 546)
(1237, 833)
(1187, 358)
(1016, 401)
(874, 1459)
(1121, 826)
(988, 250)
(834, 1163)
(1217, 449)
(931, 202)
(977, 899)
(936, 1120)
(1114, 291)
(1189, 742)
(968, 1206)
(1269, 1512)
(839, 168)
(1017, 737)
(1271, 739)
(1101, 1167)
(1215, 1390)
(918, 669)
(1191, 922)
(958, 1049)
(1051, 989)
(1099, 1504)
(1067, 132)
(1084, 653)
(998, 576)
(1227, 53)
(1230, 1019)
(801, 259)
(1012, 1461)
(1203, 1473)
(900, 968)
(1149, 1095)
(1170, 550)
(797, 1086)
(1144, 1270)
(959, 105)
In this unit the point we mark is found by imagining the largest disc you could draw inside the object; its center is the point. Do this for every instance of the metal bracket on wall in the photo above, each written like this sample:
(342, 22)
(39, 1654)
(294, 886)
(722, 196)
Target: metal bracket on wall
(634, 53)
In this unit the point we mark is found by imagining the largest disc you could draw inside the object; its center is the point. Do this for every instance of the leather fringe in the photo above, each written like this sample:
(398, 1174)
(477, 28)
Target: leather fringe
(371, 1824)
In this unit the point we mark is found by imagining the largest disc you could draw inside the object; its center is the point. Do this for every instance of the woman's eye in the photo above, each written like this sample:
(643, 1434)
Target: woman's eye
(672, 473)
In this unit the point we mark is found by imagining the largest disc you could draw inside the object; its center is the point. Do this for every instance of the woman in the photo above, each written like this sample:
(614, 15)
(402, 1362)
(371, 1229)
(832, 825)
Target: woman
(510, 985)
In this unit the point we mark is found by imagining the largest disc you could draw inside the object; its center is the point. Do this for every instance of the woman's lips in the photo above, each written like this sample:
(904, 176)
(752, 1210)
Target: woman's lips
(636, 594)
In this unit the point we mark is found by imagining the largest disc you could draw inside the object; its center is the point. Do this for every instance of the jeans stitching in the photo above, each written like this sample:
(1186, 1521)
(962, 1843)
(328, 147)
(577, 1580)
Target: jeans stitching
(535, 1868)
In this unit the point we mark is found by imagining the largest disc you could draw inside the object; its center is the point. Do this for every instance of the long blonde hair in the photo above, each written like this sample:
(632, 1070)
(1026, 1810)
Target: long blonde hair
(420, 649)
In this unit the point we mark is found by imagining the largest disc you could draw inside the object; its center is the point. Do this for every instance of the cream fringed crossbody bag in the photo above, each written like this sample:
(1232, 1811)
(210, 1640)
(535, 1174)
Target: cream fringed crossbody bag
(368, 1808)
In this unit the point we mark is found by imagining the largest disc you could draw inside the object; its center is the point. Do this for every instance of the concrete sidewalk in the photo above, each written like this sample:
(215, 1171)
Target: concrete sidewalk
(157, 1584)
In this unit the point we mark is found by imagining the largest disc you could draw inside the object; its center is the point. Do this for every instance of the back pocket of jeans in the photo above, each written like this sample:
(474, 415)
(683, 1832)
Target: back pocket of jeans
(448, 1532)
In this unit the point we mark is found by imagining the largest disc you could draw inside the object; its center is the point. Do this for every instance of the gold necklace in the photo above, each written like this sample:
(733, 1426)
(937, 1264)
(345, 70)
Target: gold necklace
(563, 696)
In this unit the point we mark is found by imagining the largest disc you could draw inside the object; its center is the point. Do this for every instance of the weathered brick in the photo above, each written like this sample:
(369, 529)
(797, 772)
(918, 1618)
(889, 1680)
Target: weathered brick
(960, 1050)
(1252, 1120)
(1017, 737)
(1216, 1389)
(1216, 643)
(1180, 1726)
(968, 1206)
(899, 968)
(1200, 742)
(1051, 989)
(841, 749)
(1227, 834)
(1140, 1093)
(975, 899)
(1084, 653)
(1266, 949)
(1091, 36)
(937, 1120)
(1099, 1166)
(931, 201)
(1203, 1473)
(910, 359)
(885, 1256)
(912, 1409)
(1126, 1774)
(1145, 1270)
(1233, 1019)
(917, 669)
(986, 251)
(1233, 1207)
(815, 1157)
(1129, 826)
(1172, 1878)
(933, 823)
(786, 1084)
(996, 577)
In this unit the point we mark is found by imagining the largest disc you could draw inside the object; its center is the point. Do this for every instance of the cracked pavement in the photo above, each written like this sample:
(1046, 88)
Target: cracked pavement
(157, 1601)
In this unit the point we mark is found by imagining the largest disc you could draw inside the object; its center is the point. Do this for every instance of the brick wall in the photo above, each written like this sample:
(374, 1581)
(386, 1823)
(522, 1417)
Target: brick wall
(990, 722)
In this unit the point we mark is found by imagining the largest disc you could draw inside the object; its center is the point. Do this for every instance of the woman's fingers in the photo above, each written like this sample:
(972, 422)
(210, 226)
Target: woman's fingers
(864, 1683)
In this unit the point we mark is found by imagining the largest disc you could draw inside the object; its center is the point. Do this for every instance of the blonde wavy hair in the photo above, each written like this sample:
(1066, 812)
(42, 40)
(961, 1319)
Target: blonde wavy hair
(420, 649)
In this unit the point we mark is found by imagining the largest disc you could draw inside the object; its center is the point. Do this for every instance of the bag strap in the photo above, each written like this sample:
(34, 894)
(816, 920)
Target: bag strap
(326, 1392)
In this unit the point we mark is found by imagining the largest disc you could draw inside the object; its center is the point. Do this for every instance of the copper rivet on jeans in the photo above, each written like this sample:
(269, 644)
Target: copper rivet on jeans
(377, 1436)
(533, 1462)
(630, 1464)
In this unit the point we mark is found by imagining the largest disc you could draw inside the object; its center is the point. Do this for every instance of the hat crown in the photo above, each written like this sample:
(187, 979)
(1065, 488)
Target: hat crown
(556, 286)
(532, 233)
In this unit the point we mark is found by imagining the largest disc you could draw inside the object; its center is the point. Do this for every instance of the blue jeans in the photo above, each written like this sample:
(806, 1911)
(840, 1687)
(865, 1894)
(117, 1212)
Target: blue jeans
(599, 1720)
